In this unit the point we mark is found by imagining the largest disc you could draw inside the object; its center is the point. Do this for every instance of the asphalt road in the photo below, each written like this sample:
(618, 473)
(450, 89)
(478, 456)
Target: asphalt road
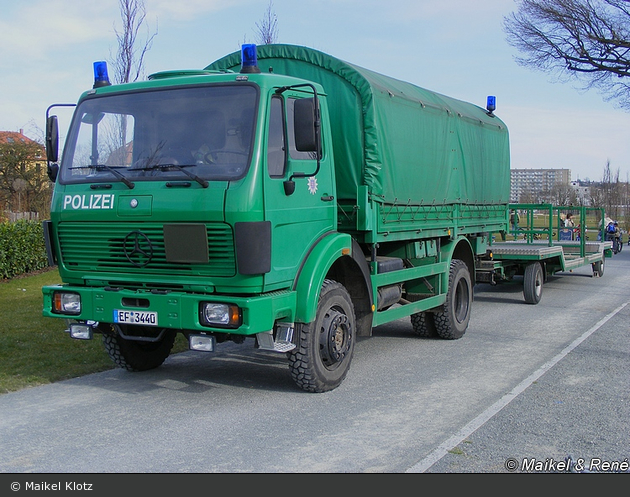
(526, 387)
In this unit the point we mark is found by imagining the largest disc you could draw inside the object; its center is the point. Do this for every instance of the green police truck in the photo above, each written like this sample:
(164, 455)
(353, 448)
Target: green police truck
(280, 194)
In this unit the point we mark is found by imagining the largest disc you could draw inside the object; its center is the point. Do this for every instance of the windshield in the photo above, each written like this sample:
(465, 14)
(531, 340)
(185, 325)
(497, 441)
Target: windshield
(193, 132)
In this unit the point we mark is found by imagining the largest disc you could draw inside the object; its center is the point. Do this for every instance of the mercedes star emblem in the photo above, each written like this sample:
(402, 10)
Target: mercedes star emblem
(138, 248)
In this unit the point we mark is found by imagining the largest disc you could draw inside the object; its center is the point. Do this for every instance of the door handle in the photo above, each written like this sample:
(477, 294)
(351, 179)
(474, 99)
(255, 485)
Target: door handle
(328, 198)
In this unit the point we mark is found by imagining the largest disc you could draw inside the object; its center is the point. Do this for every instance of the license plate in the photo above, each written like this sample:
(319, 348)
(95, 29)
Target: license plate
(147, 318)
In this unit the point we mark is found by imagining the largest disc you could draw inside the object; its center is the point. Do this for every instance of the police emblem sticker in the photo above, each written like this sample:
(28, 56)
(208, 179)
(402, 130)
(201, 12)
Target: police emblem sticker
(312, 185)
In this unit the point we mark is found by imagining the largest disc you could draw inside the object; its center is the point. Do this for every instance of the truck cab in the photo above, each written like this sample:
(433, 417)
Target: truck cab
(187, 203)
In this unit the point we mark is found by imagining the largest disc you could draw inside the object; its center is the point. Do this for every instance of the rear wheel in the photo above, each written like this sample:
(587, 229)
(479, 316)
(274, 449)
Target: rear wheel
(322, 357)
(423, 324)
(452, 322)
(598, 267)
(533, 283)
(134, 355)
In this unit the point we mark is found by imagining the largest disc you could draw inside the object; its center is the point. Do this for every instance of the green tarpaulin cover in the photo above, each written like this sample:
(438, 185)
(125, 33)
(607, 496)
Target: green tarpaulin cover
(406, 143)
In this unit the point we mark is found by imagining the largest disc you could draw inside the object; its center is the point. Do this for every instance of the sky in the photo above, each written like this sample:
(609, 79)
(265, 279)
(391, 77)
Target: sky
(454, 47)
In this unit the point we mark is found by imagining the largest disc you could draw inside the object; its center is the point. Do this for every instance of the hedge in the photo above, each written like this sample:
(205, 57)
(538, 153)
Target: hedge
(22, 248)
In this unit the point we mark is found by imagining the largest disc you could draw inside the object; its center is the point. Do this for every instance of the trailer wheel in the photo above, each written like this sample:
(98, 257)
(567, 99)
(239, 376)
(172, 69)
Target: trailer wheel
(452, 322)
(598, 268)
(423, 324)
(533, 283)
(134, 355)
(322, 357)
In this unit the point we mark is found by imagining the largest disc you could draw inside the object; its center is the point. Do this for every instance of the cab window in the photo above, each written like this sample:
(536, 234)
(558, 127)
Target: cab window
(276, 146)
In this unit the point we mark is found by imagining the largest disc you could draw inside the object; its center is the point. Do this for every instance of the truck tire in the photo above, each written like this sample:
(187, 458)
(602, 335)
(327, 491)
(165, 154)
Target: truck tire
(134, 355)
(533, 283)
(322, 357)
(423, 324)
(451, 323)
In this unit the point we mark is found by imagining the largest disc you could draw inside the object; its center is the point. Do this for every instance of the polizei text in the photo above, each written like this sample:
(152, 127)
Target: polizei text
(93, 201)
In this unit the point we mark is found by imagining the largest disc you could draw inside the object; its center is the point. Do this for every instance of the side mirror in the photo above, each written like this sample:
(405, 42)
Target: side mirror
(52, 139)
(52, 147)
(305, 125)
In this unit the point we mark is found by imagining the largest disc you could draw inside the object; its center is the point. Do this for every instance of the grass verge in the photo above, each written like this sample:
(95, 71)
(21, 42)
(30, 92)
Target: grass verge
(35, 350)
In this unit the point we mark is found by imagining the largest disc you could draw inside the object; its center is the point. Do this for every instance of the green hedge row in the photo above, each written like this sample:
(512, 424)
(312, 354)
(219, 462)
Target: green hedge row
(22, 248)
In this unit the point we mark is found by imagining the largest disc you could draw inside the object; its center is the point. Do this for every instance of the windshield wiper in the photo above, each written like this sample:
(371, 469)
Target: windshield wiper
(181, 167)
(103, 167)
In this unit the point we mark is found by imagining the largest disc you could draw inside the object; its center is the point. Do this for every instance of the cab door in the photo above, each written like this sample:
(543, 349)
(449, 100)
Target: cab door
(299, 218)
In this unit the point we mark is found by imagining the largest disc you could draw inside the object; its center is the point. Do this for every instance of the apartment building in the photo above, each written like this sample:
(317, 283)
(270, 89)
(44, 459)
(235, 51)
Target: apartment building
(528, 184)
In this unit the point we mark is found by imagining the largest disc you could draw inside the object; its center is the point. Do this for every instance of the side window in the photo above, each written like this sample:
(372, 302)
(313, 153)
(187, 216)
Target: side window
(276, 148)
(293, 152)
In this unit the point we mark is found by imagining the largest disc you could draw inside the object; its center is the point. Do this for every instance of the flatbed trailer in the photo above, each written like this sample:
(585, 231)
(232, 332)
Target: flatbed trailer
(545, 250)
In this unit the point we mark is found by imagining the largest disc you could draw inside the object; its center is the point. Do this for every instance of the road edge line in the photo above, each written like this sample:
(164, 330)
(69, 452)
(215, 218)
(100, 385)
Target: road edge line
(485, 416)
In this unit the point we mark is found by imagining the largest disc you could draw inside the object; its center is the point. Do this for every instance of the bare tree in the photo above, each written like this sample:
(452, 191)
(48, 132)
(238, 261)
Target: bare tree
(529, 197)
(585, 40)
(129, 61)
(611, 192)
(596, 196)
(561, 194)
(128, 64)
(267, 28)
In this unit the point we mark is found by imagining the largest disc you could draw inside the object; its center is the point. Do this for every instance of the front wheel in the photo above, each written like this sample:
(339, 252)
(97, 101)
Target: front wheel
(134, 355)
(322, 358)
(451, 323)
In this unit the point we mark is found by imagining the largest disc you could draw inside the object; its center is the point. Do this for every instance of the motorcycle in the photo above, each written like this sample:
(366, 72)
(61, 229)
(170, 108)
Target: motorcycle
(617, 244)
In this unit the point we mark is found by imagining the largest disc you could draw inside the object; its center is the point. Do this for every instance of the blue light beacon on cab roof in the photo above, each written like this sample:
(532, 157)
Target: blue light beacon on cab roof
(491, 104)
(249, 59)
(101, 78)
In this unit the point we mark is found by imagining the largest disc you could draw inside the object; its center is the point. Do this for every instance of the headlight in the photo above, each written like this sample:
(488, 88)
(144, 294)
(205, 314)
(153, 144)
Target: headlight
(220, 315)
(67, 303)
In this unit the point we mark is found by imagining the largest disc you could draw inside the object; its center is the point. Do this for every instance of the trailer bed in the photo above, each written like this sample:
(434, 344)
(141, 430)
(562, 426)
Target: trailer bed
(566, 255)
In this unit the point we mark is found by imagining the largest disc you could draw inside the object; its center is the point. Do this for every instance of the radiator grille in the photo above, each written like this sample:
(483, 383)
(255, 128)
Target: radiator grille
(99, 247)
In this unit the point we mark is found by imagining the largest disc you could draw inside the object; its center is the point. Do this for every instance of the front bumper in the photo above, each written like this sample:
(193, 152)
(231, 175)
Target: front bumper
(176, 310)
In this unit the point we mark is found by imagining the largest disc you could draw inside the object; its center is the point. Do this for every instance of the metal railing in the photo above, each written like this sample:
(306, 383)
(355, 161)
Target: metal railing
(587, 221)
